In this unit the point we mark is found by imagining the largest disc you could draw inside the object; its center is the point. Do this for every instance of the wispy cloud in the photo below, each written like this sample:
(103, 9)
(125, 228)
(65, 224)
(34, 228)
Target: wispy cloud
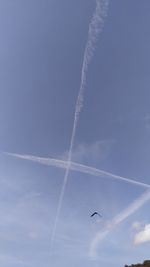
(136, 225)
(143, 235)
(77, 167)
(66, 238)
(95, 27)
(97, 151)
(25, 222)
(12, 260)
(133, 207)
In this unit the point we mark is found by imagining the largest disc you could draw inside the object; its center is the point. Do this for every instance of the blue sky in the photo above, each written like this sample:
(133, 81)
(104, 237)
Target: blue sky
(42, 48)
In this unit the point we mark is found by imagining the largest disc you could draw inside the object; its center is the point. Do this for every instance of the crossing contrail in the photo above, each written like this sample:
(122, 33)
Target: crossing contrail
(77, 167)
(133, 207)
(95, 27)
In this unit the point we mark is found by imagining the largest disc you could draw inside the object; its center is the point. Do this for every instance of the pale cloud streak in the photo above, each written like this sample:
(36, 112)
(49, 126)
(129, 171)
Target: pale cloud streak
(95, 27)
(136, 226)
(97, 151)
(77, 167)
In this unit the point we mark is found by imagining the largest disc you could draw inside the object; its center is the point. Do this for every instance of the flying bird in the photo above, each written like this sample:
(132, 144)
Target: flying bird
(95, 213)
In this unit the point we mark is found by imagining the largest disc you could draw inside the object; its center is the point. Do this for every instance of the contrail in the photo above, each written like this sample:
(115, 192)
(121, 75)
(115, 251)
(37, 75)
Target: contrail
(77, 167)
(136, 204)
(133, 207)
(95, 27)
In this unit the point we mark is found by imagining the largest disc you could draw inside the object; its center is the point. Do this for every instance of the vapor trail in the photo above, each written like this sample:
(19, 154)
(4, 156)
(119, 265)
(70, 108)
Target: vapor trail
(77, 167)
(95, 27)
(133, 207)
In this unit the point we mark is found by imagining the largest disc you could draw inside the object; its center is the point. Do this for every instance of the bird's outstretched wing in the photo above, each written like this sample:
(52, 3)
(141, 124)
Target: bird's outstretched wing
(95, 213)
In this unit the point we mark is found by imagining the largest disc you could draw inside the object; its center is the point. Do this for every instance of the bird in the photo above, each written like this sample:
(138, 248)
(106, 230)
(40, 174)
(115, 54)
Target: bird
(96, 213)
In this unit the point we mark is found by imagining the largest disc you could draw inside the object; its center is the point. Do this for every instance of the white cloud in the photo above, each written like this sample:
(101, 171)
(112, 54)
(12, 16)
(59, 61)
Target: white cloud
(97, 151)
(143, 236)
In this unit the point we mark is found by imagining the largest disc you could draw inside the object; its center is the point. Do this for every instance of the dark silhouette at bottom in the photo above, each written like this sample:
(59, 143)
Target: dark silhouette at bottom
(144, 264)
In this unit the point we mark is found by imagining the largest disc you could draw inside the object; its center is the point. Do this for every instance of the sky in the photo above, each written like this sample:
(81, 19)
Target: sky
(42, 51)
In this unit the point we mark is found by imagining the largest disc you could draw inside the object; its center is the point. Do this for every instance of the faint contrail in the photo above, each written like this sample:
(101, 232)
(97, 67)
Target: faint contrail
(77, 167)
(95, 27)
(133, 207)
